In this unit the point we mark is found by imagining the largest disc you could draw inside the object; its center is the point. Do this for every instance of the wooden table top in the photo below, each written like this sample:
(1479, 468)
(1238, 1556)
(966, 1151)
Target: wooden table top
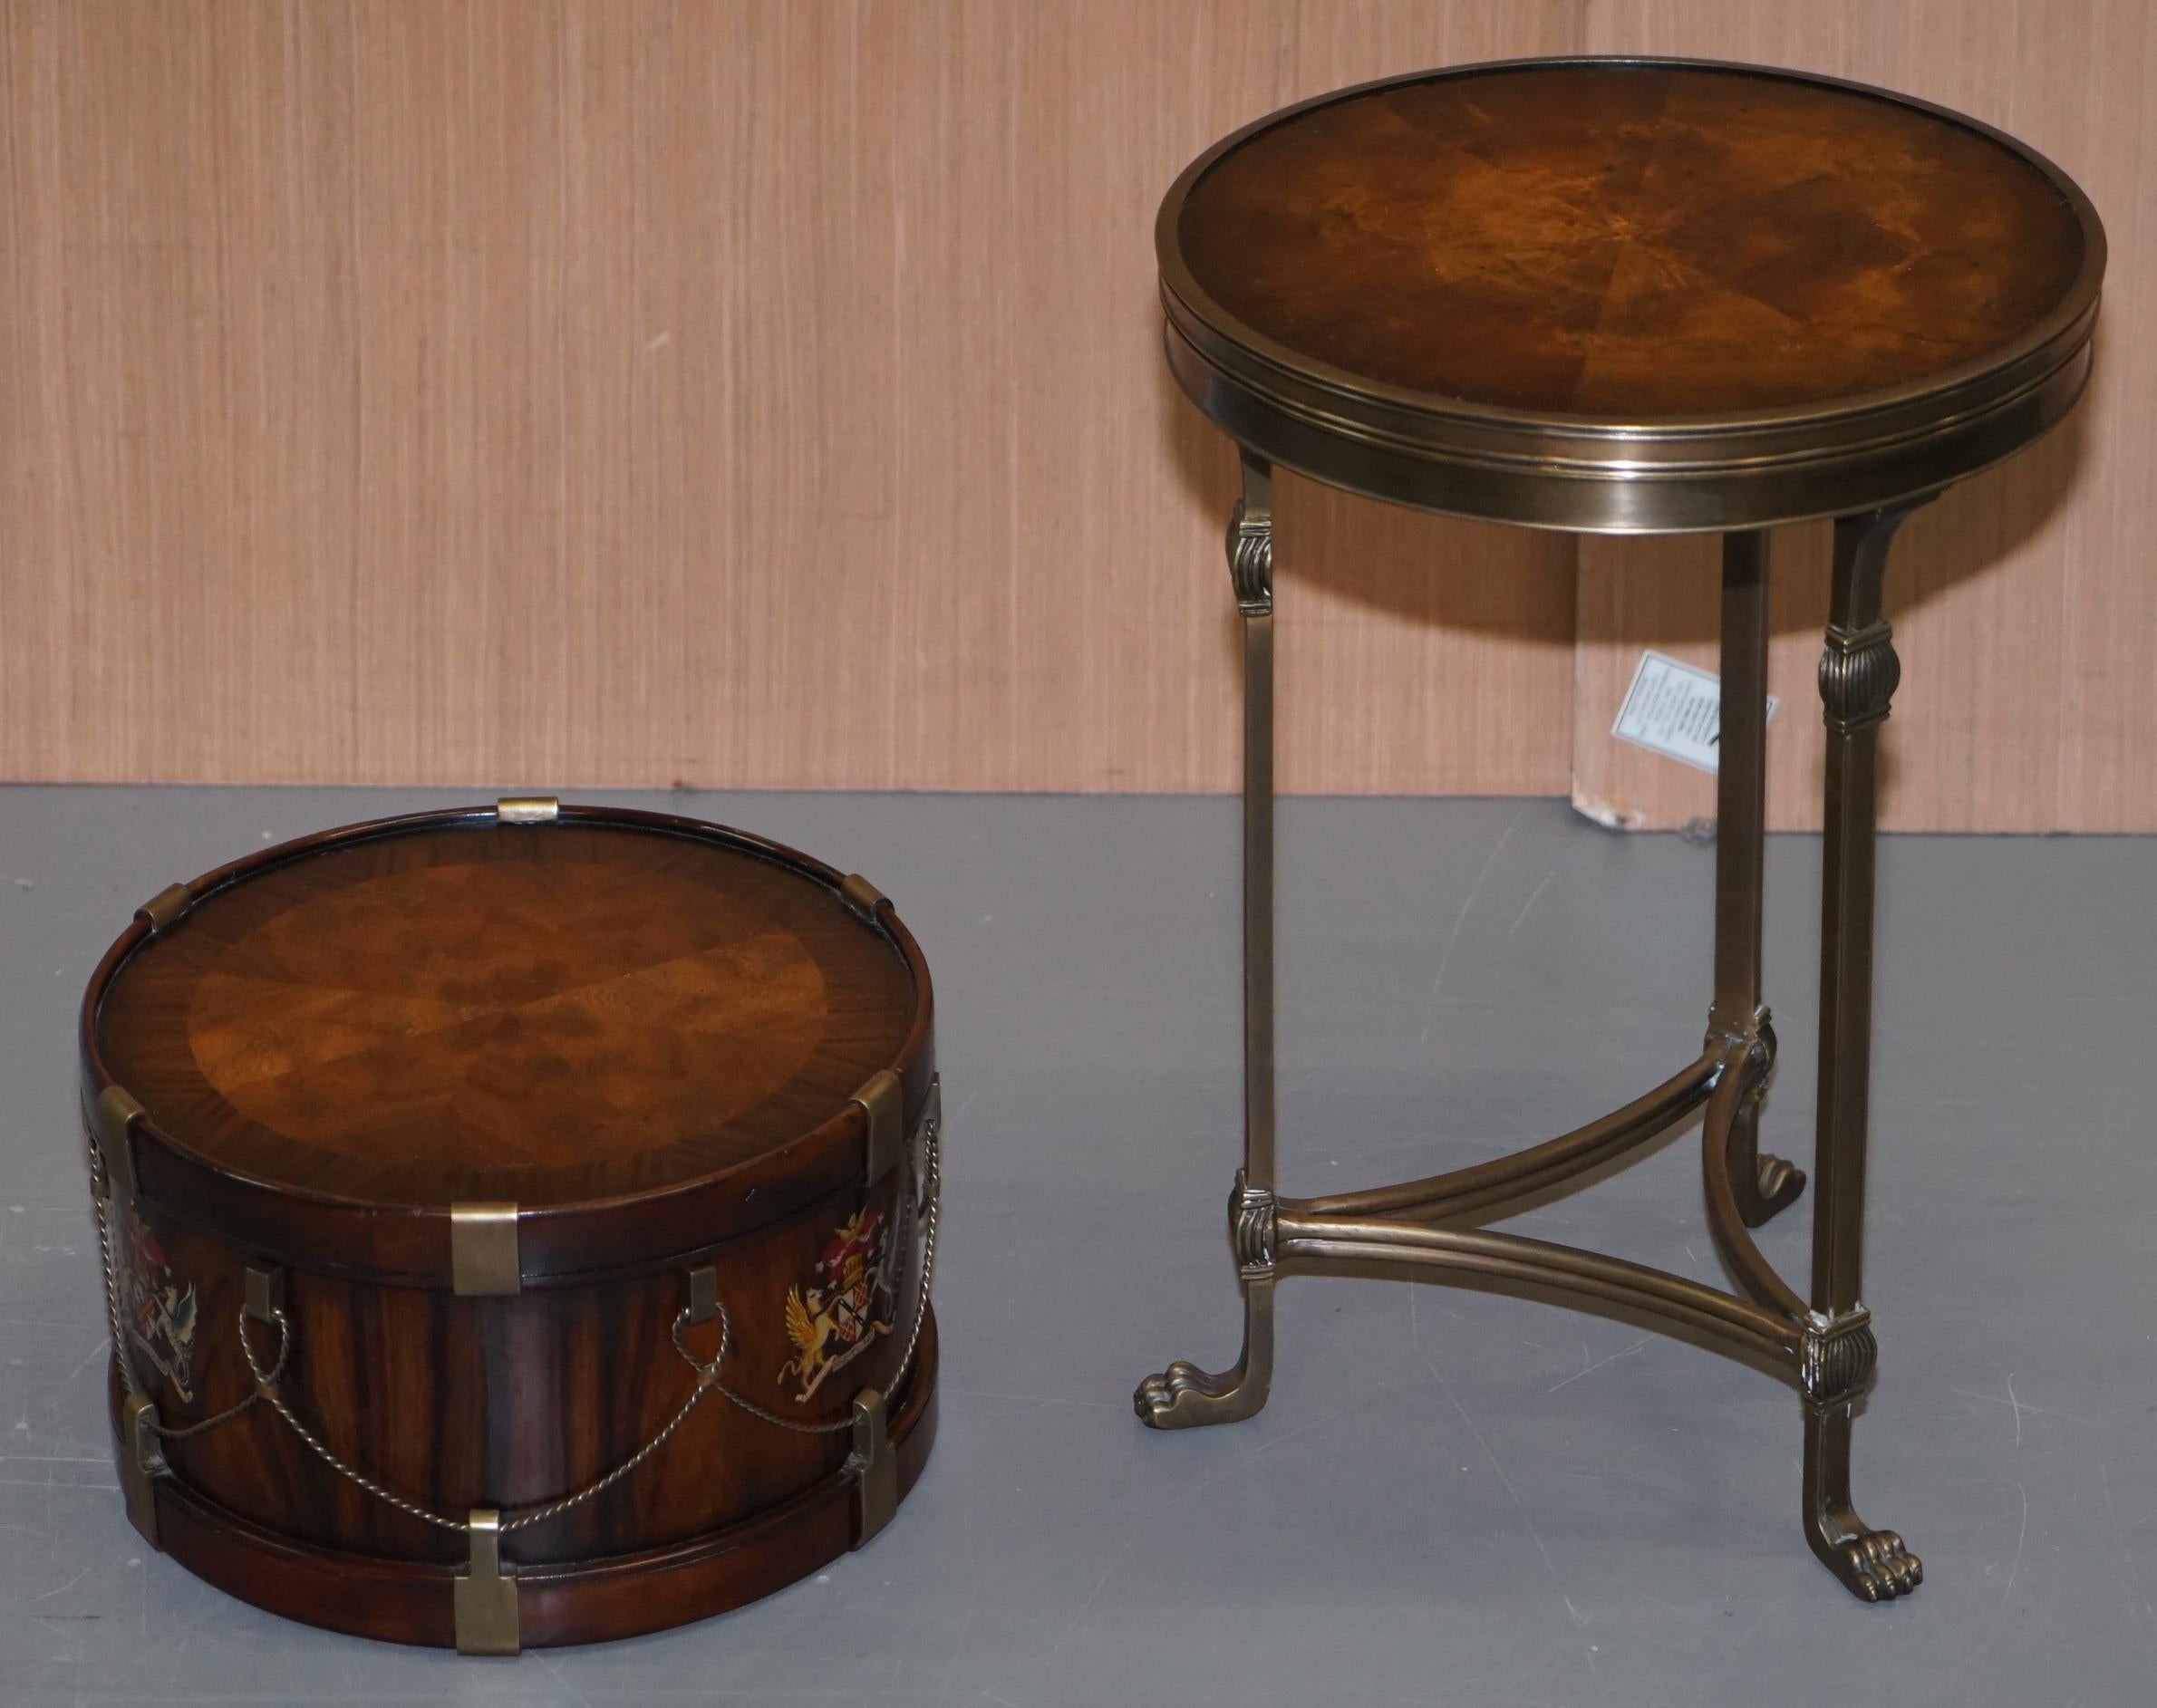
(548, 1016)
(1623, 244)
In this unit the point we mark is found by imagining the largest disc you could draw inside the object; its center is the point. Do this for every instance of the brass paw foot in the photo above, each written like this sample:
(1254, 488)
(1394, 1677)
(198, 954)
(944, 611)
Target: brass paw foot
(1874, 1565)
(1185, 1397)
(1775, 1189)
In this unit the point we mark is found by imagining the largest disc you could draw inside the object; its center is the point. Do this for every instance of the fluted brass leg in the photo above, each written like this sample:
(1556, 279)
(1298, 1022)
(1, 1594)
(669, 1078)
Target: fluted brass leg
(1858, 675)
(1183, 1395)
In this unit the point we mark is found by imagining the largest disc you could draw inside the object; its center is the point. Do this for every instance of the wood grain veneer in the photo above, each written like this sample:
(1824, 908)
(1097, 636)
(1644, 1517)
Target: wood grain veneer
(1630, 243)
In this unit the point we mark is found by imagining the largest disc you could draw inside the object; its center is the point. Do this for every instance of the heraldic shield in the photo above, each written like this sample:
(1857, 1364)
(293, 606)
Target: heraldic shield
(839, 1316)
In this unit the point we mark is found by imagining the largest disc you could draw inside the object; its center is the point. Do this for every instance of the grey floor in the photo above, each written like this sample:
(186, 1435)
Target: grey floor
(1453, 1497)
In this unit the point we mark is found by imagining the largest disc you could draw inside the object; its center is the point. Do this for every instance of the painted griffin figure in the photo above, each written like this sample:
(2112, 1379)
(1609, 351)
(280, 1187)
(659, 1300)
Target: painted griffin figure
(838, 1318)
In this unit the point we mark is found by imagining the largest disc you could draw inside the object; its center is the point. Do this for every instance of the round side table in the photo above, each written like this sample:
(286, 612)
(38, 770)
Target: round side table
(1628, 296)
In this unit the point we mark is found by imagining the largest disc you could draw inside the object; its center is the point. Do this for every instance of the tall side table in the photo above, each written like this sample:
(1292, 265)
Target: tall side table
(1628, 296)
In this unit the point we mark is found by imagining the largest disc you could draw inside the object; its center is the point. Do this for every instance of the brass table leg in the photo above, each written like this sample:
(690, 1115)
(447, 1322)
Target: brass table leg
(1183, 1395)
(1431, 1227)
(1858, 675)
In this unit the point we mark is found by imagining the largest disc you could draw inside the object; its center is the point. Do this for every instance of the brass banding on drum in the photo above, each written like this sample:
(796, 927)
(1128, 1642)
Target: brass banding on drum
(858, 893)
(483, 1256)
(486, 1596)
(163, 911)
(882, 1101)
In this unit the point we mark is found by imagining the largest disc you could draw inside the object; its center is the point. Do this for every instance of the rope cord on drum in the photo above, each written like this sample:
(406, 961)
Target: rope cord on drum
(266, 1388)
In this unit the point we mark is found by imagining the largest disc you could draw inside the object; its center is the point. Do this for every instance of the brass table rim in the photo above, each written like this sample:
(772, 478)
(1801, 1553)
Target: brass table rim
(1694, 437)
(2050, 342)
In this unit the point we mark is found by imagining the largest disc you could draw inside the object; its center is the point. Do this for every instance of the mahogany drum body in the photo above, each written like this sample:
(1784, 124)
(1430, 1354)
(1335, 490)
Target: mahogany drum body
(518, 1221)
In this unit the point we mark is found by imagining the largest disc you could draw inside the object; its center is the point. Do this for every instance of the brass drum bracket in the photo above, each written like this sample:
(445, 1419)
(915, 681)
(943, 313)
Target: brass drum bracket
(140, 1462)
(883, 1105)
(858, 893)
(527, 809)
(163, 911)
(874, 1466)
(704, 1293)
(264, 1302)
(483, 1260)
(486, 1596)
(112, 1125)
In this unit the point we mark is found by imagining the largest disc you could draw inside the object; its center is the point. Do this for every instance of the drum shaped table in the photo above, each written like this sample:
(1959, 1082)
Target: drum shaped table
(518, 1221)
(1628, 296)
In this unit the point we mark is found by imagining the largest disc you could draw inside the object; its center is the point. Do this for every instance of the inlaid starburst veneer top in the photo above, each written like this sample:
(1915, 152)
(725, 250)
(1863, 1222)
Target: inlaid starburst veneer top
(1629, 242)
(560, 1016)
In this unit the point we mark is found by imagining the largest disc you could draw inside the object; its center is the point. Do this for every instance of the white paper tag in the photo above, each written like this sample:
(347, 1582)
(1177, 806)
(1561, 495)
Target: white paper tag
(1675, 710)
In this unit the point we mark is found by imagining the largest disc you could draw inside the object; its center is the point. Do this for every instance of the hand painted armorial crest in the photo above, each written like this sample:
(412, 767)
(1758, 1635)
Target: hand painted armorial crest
(157, 1311)
(839, 1316)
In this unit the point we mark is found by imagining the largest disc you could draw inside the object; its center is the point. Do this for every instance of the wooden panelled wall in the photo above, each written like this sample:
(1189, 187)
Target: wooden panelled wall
(767, 392)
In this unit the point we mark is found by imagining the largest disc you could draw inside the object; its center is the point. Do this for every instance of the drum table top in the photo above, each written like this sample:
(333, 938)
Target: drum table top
(548, 1017)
